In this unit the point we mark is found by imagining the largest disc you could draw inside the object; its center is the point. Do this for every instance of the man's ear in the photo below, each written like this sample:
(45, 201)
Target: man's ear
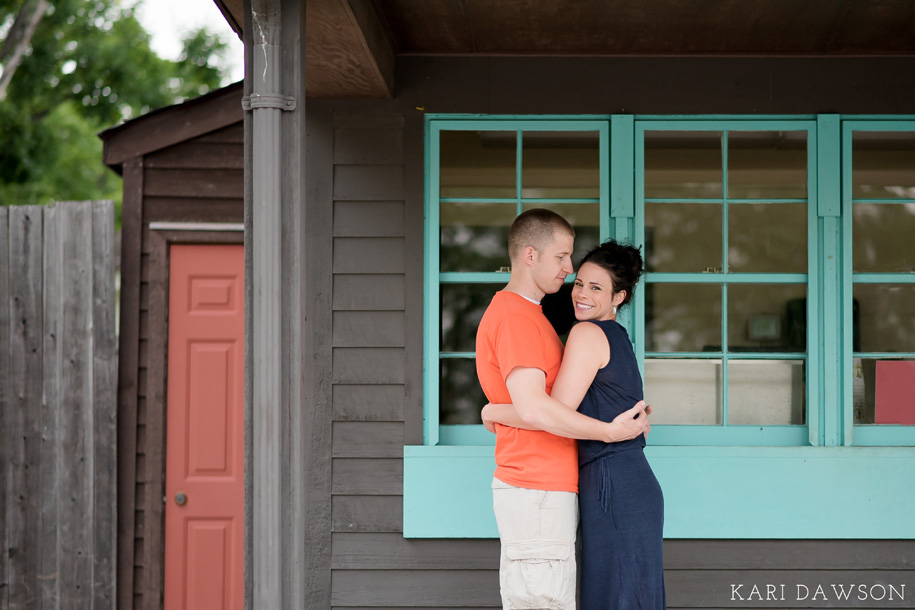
(527, 255)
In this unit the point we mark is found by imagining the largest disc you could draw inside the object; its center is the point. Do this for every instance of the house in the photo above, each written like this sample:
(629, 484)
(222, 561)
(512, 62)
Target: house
(763, 156)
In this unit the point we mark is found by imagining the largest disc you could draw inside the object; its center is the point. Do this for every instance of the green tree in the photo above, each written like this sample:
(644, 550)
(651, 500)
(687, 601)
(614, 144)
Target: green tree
(87, 66)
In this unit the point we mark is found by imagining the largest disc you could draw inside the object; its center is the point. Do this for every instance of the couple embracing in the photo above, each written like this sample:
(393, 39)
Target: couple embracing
(542, 398)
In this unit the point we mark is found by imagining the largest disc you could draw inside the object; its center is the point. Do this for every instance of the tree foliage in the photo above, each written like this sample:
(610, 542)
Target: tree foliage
(89, 66)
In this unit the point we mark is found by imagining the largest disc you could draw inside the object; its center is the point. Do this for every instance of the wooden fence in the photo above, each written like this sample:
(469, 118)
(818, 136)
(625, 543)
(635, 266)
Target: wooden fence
(58, 389)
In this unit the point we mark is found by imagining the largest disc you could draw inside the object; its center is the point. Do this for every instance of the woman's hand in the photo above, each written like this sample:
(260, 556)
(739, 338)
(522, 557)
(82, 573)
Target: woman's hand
(629, 424)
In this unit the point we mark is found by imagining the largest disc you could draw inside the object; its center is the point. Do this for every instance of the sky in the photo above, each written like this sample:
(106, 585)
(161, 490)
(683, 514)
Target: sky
(159, 19)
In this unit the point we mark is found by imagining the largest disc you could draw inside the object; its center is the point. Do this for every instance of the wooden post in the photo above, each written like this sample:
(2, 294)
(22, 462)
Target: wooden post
(275, 240)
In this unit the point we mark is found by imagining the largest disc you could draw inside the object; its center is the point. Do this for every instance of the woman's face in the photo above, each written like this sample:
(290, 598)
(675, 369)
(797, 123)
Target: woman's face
(593, 295)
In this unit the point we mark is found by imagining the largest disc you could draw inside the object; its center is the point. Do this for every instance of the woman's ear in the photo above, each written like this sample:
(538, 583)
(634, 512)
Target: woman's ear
(619, 297)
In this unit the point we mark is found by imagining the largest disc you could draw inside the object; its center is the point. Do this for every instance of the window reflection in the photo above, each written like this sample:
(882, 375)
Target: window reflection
(884, 165)
(886, 317)
(767, 164)
(477, 164)
(474, 235)
(683, 237)
(766, 392)
(767, 318)
(883, 391)
(767, 238)
(462, 308)
(460, 396)
(683, 164)
(682, 391)
(682, 317)
(560, 164)
(882, 235)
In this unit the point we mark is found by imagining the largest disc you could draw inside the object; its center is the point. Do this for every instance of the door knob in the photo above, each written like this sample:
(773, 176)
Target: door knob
(180, 499)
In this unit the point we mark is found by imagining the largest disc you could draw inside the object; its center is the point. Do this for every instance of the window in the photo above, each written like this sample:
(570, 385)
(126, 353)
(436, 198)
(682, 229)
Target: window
(482, 175)
(722, 209)
(880, 321)
(775, 323)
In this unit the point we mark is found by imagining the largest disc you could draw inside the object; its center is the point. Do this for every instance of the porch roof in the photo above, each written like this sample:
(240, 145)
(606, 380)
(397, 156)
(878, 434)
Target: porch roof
(351, 44)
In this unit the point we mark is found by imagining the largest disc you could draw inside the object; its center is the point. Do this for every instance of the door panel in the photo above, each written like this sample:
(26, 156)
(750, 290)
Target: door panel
(204, 478)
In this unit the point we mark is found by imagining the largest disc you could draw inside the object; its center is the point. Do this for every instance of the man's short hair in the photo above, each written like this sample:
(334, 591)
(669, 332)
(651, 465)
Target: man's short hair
(535, 228)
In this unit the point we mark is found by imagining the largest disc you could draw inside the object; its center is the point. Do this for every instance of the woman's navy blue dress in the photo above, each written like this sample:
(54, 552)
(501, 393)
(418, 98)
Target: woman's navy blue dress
(622, 508)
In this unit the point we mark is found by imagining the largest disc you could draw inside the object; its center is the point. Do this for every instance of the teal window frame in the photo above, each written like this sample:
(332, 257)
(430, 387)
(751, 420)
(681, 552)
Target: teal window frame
(866, 434)
(725, 434)
(778, 485)
(433, 433)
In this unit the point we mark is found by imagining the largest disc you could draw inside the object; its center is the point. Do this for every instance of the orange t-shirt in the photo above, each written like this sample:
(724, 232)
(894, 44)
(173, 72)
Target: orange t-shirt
(514, 333)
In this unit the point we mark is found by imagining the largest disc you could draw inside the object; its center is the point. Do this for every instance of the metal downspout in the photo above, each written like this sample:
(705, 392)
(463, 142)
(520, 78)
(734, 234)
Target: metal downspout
(267, 106)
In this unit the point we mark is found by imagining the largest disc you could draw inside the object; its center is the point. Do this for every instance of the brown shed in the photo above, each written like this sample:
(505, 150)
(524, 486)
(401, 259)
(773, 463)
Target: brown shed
(183, 184)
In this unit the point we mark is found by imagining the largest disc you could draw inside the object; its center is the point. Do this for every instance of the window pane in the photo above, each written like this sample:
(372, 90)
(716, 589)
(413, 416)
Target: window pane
(460, 396)
(683, 164)
(767, 164)
(882, 237)
(883, 164)
(683, 237)
(683, 391)
(767, 318)
(474, 236)
(884, 391)
(560, 164)
(477, 164)
(767, 238)
(682, 317)
(462, 307)
(886, 317)
(766, 392)
(584, 218)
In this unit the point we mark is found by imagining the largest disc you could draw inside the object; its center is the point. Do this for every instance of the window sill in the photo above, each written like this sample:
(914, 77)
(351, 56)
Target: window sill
(709, 492)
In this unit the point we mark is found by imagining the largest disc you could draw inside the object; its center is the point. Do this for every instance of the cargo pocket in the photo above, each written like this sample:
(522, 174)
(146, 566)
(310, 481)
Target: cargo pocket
(539, 574)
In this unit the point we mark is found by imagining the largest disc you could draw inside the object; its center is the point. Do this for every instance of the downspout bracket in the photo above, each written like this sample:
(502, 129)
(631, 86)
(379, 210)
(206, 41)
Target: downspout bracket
(268, 100)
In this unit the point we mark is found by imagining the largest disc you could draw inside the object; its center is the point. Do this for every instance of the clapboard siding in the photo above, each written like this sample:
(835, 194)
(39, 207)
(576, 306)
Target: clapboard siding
(364, 365)
(368, 402)
(363, 292)
(416, 588)
(368, 329)
(368, 513)
(368, 255)
(387, 219)
(367, 477)
(386, 551)
(198, 180)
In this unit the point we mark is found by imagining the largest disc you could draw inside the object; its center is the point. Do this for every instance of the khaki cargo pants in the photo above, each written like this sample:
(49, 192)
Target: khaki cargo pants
(537, 529)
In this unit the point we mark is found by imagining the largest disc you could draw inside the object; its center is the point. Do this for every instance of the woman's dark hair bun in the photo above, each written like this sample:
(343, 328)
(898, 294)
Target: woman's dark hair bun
(622, 261)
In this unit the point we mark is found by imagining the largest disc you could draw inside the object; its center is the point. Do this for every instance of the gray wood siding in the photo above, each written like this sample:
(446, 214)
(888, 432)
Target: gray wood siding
(377, 325)
(199, 180)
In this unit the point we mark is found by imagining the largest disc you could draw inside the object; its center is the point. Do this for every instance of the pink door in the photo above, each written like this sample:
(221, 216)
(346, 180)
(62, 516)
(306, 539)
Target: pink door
(204, 466)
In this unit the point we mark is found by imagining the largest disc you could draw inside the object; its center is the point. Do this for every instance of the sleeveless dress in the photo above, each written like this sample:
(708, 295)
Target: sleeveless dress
(622, 508)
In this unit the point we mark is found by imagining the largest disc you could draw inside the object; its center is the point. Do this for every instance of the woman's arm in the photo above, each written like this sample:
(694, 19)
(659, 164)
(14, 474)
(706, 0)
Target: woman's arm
(586, 352)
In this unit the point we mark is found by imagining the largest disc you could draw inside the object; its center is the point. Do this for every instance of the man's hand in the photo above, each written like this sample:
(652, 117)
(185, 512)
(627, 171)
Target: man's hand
(629, 424)
(486, 414)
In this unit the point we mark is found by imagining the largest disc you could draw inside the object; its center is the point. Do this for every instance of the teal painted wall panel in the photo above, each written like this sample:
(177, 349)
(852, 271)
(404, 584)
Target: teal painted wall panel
(709, 492)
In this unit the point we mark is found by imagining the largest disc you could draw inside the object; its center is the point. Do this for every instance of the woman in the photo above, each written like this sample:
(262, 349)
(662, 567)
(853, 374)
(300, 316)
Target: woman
(621, 505)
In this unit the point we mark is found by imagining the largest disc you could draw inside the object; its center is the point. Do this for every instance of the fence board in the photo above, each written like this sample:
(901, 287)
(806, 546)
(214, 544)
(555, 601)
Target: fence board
(25, 406)
(5, 401)
(53, 361)
(76, 385)
(104, 407)
(57, 407)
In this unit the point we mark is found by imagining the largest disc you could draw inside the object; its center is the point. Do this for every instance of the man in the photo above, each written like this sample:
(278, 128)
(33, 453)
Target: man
(536, 477)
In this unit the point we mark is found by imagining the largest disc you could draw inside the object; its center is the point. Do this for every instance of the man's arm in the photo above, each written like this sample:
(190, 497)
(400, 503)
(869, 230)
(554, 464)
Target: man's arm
(537, 410)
